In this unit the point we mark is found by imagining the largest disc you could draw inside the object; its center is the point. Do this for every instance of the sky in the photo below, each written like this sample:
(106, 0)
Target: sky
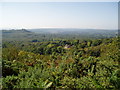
(29, 15)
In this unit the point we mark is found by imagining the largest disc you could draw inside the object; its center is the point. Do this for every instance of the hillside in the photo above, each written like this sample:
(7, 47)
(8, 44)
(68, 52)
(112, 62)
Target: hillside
(51, 34)
(61, 64)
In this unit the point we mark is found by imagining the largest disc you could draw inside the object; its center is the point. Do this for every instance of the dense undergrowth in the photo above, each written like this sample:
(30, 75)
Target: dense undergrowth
(61, 64)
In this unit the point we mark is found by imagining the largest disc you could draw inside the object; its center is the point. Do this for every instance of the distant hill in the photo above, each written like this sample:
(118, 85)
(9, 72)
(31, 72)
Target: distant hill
(17, 34)
(68, 30)
(51, 34)
(82, 32)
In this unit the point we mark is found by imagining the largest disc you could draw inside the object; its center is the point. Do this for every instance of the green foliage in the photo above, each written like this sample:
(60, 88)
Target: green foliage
(9, 81)
(48, 64)
(96, 42)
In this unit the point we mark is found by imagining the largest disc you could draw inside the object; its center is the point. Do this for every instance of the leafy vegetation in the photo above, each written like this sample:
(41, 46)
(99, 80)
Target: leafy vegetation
(60, 63)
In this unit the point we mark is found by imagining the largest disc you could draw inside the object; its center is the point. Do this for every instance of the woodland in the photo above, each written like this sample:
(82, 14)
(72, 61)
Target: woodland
(71, 61)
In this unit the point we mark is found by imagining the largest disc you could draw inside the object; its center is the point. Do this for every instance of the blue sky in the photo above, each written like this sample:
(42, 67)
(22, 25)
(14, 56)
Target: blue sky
(96, 15)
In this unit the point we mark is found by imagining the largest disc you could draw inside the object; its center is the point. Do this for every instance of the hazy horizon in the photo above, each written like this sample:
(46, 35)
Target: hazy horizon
(55, 28)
